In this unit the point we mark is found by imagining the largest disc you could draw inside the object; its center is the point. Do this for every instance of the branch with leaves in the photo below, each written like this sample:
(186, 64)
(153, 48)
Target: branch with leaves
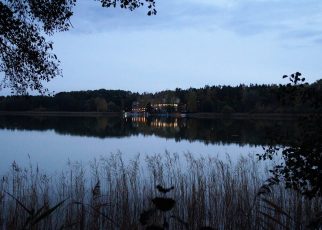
(26, 56)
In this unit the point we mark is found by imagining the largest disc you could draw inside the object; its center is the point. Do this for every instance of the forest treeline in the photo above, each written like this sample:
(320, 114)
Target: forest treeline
(218, 99)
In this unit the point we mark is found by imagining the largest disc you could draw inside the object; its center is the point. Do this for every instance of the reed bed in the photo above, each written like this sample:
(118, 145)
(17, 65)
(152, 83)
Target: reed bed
(112, 193)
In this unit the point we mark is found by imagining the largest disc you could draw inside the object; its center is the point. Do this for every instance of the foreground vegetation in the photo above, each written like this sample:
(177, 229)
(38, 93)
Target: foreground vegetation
(116, 194)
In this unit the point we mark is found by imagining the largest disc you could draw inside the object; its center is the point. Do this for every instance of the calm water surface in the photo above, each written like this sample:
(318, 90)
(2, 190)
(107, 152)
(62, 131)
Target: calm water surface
(51, 141)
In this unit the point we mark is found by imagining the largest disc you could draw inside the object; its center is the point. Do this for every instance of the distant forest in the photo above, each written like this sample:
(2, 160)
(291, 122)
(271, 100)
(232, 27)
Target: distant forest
(304, 98)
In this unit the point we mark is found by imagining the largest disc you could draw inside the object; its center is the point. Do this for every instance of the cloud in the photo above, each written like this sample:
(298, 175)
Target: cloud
(190, 43)
(152, 60)
(285, 18)
(216, 3)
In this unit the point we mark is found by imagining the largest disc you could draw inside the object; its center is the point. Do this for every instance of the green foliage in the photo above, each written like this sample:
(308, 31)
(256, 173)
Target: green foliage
(209, 194)
(301, 169)
(101, 104)
(163, 204)
(227, 110)
(149, 108)
(26, 57)
(35, 216)
(300, 98)
(302, 165)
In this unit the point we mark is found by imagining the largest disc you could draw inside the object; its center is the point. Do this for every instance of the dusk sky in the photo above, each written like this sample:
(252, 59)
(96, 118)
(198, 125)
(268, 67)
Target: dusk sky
(189, 43)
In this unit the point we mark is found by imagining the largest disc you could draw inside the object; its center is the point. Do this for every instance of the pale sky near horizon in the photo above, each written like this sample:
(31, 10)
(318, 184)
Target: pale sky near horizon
(189, 43)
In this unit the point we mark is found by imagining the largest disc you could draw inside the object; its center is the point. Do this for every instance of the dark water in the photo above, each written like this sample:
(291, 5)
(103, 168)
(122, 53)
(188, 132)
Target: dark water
(52, 141)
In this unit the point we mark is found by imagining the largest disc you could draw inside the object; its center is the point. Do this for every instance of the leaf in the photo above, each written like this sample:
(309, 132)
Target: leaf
(47, 213)
(264, 189)
(164, 204)
(315, 222)
(206, 228)
(263, 224)
(94, 209)
(276, 207)
(273, 219)
(164, 190)
(96, 190)
(30, 212)
(39, 210)
(180, 221)
(30, 218)
(146, 216)
(69, 226)
(154, 227)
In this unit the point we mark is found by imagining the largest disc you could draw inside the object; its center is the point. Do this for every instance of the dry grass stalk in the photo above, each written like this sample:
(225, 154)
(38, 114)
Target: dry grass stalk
(112, 193)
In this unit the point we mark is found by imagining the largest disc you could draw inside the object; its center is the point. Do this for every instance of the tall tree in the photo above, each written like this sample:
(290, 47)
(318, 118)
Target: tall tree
(26, 57)
(301, 168)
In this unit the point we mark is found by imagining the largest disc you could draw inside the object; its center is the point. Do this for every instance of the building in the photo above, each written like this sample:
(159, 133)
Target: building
(158, 107)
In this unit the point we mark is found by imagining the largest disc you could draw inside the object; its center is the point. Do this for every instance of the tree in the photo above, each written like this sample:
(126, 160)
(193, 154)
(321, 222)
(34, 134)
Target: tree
(301, 168)
(192, 101)
(26, 57)
(149, 108)
(101, 104)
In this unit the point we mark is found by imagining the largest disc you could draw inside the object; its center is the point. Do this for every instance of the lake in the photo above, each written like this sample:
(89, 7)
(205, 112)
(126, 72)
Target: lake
(207, 166)
(51, 142)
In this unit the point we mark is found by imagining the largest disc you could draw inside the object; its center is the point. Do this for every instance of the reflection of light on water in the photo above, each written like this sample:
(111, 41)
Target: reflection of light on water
(91, 137)
(163, 105)
(139, 119)
(157, 123)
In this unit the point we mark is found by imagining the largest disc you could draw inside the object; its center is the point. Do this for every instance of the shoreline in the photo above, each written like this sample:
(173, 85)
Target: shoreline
(59, 113)
(254, 116)
(186, 115)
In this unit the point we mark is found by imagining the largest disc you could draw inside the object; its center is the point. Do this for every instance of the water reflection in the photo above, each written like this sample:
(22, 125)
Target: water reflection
(208, 131)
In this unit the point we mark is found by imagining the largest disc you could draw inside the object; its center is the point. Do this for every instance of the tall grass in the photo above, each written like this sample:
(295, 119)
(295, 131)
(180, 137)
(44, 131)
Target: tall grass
(112, 193)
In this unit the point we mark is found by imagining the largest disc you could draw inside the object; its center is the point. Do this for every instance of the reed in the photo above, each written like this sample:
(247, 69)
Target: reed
(114, 193)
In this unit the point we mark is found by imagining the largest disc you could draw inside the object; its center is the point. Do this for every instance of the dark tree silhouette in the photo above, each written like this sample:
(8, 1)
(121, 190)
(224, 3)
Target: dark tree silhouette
(26, 57)
(302, 166)
(260, 99)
